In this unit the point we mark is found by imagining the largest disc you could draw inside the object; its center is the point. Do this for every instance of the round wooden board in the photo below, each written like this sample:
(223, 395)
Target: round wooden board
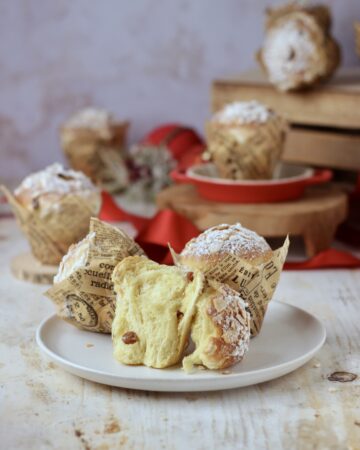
(26, 267)
(315, 217)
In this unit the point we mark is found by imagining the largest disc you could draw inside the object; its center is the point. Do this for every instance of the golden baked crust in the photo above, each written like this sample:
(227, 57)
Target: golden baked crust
(221, 329)
(217, 241)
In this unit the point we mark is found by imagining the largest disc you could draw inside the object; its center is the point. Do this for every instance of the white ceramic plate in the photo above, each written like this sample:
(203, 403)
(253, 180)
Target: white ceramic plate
(289, 338)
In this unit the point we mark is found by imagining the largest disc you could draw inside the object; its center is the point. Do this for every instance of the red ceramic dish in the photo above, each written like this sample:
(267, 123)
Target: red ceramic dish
(290, 184)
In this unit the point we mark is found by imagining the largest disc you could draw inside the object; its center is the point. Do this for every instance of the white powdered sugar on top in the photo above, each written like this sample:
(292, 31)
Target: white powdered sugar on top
(243, 113)
(288, 51)
(234, 321)
(55, 179)
(233, 239)
(75, 258)
(93, 118)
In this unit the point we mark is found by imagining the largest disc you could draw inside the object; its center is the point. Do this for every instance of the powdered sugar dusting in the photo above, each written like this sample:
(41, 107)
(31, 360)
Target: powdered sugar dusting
(93, 118)
(55, 179)
(230, 315)
(75, 258)
(244, 112)
(289, 51)
(233, 239)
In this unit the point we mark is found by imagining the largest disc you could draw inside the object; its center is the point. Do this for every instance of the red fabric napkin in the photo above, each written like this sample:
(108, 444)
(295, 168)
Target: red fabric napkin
(167, 226)
(111, 212)
(327, 259)
(154, 234)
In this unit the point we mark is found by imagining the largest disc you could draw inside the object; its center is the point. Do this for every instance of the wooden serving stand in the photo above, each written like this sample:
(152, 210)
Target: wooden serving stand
(27, 268)
(324, 121)
(315, 217)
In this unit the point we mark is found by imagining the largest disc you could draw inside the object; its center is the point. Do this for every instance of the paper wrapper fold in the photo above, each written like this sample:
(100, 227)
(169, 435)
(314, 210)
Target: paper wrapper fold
(86, 297)
(255, 283)
(51, 231)
(98, 153)
(245, 152)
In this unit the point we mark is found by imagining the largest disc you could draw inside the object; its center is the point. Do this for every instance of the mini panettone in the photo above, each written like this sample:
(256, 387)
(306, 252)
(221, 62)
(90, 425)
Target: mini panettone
(245, 140)
(221, 329)
(240, 258)
(93, 142)
(154, 311)
(298, 50)
(53, 208)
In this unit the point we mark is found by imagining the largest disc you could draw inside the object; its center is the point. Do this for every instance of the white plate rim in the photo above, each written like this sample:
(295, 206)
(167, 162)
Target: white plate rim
(231, 378)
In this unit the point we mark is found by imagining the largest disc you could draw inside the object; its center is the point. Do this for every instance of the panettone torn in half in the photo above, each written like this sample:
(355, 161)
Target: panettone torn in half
(158, 307)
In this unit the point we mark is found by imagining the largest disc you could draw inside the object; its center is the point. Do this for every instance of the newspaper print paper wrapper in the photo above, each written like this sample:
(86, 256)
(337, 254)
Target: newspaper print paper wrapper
(51, 231)
(86, 297)
(246, 152)
(98, 153)
(255, 283)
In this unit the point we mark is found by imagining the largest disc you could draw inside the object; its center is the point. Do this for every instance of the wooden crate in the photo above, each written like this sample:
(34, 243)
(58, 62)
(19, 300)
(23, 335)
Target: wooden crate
(325, 122)
(323, 148)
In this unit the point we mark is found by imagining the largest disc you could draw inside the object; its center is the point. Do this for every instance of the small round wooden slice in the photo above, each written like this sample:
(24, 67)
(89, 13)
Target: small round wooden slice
(26, 267)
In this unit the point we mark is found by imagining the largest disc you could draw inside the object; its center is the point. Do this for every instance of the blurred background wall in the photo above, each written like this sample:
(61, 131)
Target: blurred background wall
(151, 61)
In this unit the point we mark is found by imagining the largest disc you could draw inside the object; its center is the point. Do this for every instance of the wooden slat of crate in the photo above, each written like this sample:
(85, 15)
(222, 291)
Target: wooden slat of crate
(323, 148)
(335, 104)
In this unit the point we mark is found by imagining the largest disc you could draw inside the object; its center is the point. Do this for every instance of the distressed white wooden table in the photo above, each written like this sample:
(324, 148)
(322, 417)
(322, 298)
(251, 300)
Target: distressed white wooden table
(43, 407)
